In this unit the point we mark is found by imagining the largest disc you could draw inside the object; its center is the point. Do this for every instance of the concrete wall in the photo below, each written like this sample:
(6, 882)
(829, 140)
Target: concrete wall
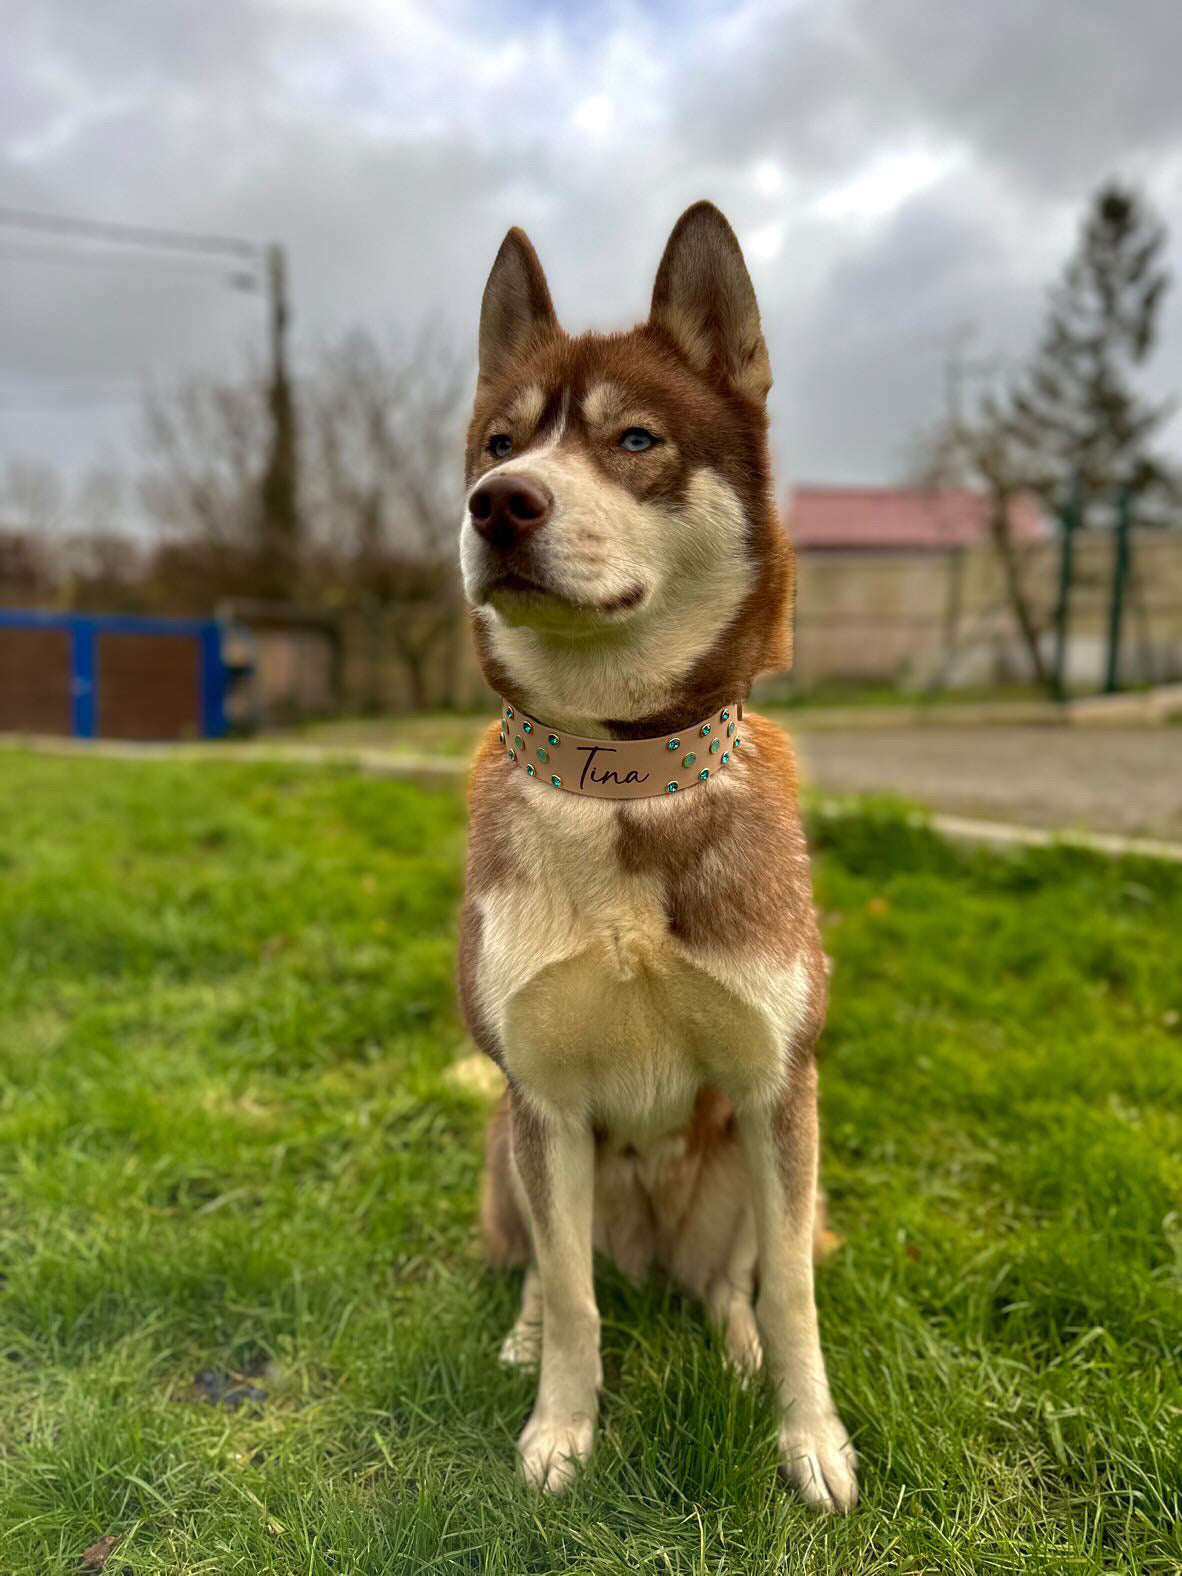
(904, 617)
(893, 617)
(378, 677)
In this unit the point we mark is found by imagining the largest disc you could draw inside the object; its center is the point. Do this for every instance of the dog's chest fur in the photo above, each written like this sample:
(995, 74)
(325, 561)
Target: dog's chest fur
(603, 1003)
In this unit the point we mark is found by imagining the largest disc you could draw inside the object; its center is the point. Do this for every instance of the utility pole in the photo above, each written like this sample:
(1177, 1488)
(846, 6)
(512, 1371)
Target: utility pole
(1070, 523)
(278, 492)
(263, 269)
(1120, 575)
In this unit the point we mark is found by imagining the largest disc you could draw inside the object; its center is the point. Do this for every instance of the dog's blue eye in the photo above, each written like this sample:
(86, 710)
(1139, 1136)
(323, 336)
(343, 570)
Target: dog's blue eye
(636, 440)
(500, 446)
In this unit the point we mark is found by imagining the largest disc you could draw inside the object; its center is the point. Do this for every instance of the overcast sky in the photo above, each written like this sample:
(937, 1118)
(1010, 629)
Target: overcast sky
(894, 169)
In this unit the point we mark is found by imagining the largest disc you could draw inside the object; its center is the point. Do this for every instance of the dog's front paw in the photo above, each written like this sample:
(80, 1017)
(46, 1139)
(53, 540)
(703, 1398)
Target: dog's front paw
(818, 1460)
(553, 1451)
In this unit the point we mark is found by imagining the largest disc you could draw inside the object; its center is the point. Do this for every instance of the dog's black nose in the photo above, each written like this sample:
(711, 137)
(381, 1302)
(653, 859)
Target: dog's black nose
(506, 509)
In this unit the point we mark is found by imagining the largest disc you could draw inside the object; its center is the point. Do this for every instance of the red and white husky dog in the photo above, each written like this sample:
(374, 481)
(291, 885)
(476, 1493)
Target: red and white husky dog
(639, 949)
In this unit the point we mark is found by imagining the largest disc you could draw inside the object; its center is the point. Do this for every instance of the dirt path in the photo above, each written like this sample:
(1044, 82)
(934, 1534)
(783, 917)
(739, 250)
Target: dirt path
(1122, 780)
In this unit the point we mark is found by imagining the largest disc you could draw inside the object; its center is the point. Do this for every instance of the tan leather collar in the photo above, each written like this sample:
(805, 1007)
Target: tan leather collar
(621, 768)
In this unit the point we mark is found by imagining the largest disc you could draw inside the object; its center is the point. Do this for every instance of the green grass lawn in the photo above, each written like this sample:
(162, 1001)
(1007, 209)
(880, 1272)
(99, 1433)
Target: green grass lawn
(242, 1324)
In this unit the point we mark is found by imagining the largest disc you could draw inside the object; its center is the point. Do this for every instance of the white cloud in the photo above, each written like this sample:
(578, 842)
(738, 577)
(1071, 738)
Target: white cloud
(595, 114)
(763, 244)
(887, 181)
(893, 168)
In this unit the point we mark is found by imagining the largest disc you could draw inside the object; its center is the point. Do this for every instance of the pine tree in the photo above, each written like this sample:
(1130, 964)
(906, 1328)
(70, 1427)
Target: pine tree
(1074, 412)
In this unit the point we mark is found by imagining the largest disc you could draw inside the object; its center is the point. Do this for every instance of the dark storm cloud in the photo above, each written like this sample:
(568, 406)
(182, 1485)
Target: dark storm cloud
(895, 169)
(1053, 93)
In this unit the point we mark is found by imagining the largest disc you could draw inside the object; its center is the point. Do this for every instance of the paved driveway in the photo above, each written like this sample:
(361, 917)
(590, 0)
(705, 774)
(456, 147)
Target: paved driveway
(1125, 780)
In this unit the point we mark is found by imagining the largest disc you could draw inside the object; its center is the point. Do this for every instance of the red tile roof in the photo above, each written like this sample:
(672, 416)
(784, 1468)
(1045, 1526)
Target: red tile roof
(900, 517)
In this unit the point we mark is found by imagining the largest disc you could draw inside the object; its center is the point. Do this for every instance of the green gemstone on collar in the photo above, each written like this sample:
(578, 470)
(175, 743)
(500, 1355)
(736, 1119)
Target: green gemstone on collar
(703, 774)
(557, 781)
(508, 711)
(670, 787)
(529, 772)
(512, 753)
(689, 759)
(730, 732)
(527, 727)
(674, 744)
(737, 743)
(725, 717)
(554, 740)
(705, 730)
(726, 760)
(519, 742)
(716, 746)
(543, 755)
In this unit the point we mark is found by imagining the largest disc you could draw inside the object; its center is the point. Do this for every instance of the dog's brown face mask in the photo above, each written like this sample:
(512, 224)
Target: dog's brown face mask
(620, 544)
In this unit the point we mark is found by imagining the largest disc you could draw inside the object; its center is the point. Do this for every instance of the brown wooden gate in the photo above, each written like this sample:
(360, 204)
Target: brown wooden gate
(93, 675)
(149, 686)
(36, 681)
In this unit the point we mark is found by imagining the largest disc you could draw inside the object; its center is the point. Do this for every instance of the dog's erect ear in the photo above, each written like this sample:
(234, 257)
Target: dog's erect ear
(704, 298)
(516, 307)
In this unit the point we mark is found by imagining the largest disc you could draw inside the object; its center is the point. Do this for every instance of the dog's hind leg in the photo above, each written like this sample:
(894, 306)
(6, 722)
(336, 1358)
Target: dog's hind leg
(556, 1165)
(729, 1300)
(522, 1347)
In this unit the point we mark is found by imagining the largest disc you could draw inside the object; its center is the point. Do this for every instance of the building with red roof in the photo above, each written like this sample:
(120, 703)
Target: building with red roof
(901, 519)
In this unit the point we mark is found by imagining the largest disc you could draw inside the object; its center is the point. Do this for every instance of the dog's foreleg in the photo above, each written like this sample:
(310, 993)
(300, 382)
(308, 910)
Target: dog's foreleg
(556, 1164)
(781, 1145)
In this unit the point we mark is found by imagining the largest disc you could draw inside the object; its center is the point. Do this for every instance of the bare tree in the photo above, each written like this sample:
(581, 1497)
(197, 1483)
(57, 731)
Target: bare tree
(978, 451)
(207, 442)
(32, 525)
(1068, 424)
(381, 435)
(100, 503)
(33, 499)
(384, 432)
(70, 546)
(1084, 427)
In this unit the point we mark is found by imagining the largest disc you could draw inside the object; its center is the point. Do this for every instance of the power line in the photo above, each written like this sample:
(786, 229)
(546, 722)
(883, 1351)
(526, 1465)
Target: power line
(58, 406)
(193, 267)
(128, 234)
(41, 398)
(277, 490)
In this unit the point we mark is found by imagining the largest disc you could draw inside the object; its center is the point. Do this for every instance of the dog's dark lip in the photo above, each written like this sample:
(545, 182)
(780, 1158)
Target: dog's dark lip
(524, 586)
(623, 603)
(515, 582)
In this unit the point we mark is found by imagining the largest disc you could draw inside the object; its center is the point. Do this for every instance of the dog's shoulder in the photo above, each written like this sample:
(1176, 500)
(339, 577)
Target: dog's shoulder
(731, 855)
(488, 757)
(492, 789)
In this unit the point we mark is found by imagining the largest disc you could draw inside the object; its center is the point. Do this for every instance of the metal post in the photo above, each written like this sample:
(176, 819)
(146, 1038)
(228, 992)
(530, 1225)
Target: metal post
(1120, 576)
(278, 496)
(953, 599)
(84, 676)
(1070, 522)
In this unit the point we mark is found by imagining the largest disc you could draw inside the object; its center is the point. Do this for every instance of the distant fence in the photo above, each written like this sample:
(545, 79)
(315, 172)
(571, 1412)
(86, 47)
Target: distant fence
(919, 619)
(112, 678)
(943, 618)
(386, 657)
